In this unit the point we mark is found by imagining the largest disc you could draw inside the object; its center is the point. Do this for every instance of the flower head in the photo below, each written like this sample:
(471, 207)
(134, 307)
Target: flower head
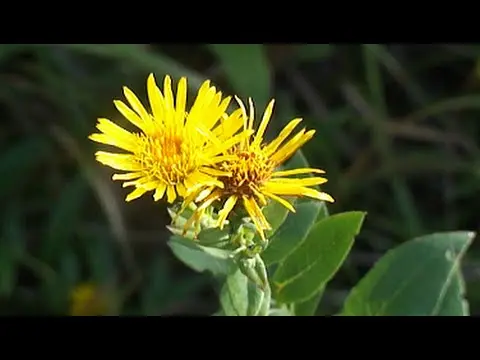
(168, 153)
(89, 300)
(254, 176)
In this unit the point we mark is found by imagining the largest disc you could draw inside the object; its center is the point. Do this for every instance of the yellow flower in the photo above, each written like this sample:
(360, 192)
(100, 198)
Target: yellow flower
(88, 300)
(169, 154)
(255, 177)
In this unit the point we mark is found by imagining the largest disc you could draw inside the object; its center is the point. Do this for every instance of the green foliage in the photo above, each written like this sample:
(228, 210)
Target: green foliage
(200, 258)
(292, 233)
(310, 266)
(247, 69)
(241, 297)
(420, 277)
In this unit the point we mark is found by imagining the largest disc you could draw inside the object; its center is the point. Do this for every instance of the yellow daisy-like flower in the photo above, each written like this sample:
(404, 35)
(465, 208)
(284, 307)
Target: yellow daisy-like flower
(88, 300)
(169, 154)
(254, 172)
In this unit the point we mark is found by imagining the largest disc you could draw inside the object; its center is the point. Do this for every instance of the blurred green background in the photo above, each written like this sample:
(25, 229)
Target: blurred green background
(397, 132)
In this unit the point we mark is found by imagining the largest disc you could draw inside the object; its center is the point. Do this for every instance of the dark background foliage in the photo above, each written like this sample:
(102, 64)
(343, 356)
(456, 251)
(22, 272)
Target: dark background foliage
(397, 132)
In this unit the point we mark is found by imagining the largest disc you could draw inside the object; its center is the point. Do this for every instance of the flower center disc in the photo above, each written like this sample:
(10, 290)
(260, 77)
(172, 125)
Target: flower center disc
(248, 172)
(167, 157)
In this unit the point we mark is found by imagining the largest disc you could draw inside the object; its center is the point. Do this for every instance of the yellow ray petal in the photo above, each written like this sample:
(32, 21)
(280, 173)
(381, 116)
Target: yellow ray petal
(156, 99)
(227, 208)
(286, 131)
(297, 172)
(250, 206)
(168, 97)
(220, 110)
(225, 145)
(244, 112)
(209, 200)
(124, 162)
(198, 179)
(128, 176)
(135, 103)
(214, 172)
(135, 194)
(261, 217)
(290, 147)
(311, 181)
(259, 195)
(151, 185)
(181, 189)
(129, 114)
(114, 141)
(263, 125)
(280, 200)
(229, 125)
(181, 100)
(284, 189)
(171, 194)
(159, 192)
(110, 128)
(252, 113)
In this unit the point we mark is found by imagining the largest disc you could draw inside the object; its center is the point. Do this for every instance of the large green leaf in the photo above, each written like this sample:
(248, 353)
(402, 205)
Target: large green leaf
(309, 307)
(241, 297)
(305, 271)
(292, 232)
(247, 68)
(200, 258)
(419, 277)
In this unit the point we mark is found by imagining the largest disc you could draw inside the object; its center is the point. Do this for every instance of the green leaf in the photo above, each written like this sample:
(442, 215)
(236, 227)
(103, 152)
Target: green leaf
(454, 302)
(309, 306)
(419, 277)
(212, 237)
(280, 312)
(200, 258)
(240, 296)
(292, 233)
(247, 68)
(305, 271)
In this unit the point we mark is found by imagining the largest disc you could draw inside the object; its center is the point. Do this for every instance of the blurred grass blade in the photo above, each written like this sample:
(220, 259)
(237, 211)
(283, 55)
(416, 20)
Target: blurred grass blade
(451, 104)
(420, 277)
(141, 57)
(64, 216)
(12, 247)
(18, 161)
(247, 68)
(155, 293)
(313, 52)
